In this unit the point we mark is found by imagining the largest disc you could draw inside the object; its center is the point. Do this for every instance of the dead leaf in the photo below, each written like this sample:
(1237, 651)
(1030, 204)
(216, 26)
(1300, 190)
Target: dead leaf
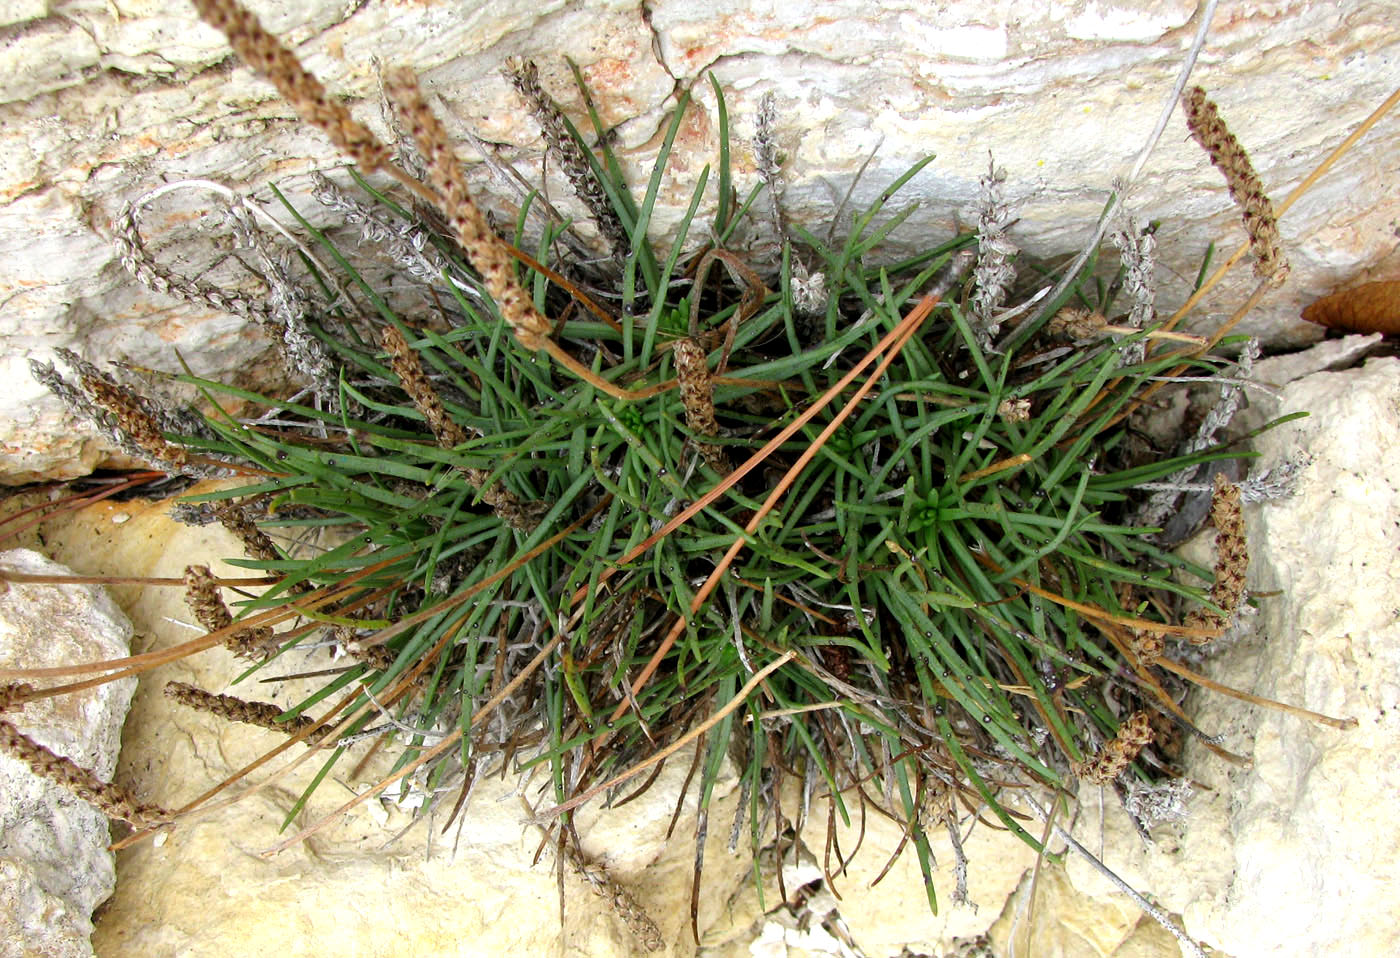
(1368, 308)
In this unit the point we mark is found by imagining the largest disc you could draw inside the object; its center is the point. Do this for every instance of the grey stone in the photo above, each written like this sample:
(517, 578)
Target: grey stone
(45, 832)
(39, 924)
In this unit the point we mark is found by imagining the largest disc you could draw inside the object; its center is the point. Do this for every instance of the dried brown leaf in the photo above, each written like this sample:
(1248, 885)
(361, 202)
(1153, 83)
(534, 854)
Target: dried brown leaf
(1368, 308)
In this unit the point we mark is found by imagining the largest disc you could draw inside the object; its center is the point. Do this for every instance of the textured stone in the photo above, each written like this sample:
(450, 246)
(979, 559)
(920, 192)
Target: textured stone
(39, 924)
(105, 100)
(1268, 850)
(1308, 819)
(886, 918)
(46, 835)
(207, 890)
(1065, 922)
(20, 11)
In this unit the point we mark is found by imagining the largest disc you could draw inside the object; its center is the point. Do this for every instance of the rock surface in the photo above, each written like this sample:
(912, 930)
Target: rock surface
(207, 889)
(39, 924)
(54, 864)
(100, 102)
(1308, 819)
(1301, 825)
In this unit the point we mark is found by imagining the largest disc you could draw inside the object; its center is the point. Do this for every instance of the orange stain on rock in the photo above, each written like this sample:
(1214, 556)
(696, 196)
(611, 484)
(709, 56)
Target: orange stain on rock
(19, 189)
(694, 137)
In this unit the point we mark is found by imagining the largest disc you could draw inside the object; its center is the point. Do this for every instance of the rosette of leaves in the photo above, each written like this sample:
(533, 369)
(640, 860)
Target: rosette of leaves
(945, 595)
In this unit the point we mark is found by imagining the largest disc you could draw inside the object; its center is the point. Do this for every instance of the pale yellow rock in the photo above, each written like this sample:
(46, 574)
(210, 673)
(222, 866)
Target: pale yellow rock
(42, 54)
(1061, 923)
(1068, 924)
(1297, 825)
(208, 889)
(884, 918)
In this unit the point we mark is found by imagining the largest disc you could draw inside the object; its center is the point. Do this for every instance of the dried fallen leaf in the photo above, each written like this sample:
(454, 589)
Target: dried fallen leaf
(1368, 308)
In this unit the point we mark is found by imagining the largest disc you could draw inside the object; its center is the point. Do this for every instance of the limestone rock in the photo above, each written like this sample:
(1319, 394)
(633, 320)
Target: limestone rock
(100, 102)
(207, 889)
(886, 918)
(47, 836)
(1308, 818)
(1268, 851)
(1067, 922)
(39, 924)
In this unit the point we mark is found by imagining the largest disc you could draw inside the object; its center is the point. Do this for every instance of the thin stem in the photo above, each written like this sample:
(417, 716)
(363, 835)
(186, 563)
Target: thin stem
(1188, 944)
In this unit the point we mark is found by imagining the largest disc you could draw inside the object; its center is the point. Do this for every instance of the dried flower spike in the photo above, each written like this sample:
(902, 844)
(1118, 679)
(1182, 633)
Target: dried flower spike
(1231, 560)
(1118, 752)
(697, 395)
(405, 364)
(133, 421)
(1210, 131)
(130, 421)
(766, 158)
(112, 799)
(256, 543)
(140, 262)
(1147, 645)
(1137, 249)
(13, 696)
(633, 915)
(487, 251)
(1072, 323)
(995, 271)
(525, 77)
(378, 657)
(1014, 410)
(261, 714)
(265, 54)
(202, 596)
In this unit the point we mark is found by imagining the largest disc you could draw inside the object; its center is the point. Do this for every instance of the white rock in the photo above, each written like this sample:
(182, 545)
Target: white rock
(46, 833)
(19, 11)
(36, 922)
(105, 101)
(1308, 819)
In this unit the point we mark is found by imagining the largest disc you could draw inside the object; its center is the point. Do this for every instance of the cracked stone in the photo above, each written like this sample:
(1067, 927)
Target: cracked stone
(1062, 96)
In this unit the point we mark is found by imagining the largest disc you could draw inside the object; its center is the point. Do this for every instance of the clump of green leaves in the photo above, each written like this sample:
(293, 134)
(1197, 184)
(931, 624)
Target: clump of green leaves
(946, 596)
